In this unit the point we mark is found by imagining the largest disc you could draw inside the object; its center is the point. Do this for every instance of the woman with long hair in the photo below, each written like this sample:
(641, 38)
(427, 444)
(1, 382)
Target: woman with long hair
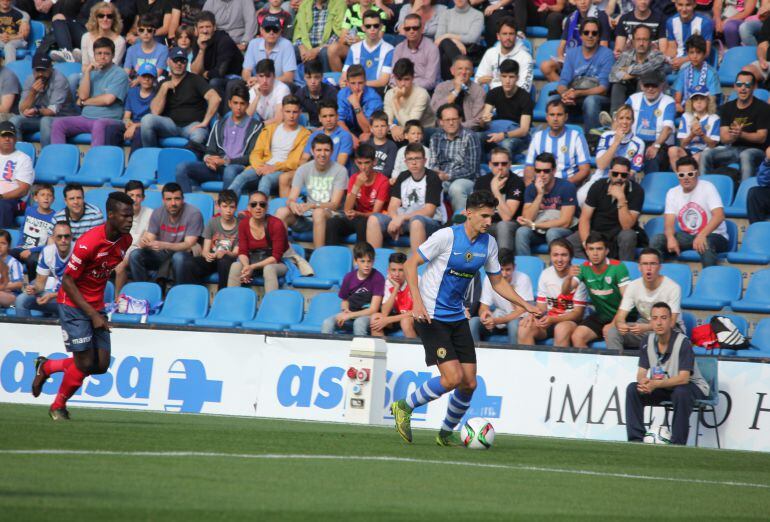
(103, 22)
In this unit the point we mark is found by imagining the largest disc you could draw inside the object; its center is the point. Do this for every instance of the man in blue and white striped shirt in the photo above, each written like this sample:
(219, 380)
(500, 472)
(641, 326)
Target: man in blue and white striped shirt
(373, 53)
(654, 114)
(80, 215)
(683, 25)
(568, 146)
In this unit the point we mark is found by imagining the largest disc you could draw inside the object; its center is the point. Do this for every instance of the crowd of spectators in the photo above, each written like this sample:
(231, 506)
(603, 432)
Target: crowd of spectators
(432, 101)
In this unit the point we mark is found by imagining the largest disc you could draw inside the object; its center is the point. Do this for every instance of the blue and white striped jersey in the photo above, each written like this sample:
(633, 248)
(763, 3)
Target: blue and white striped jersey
(51, 265)
(651, 117)
(680, 31)
(569, 148)
(376, 61)
(453, 260)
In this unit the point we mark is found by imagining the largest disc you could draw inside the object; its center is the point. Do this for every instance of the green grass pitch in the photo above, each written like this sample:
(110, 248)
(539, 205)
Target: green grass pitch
(366, 473)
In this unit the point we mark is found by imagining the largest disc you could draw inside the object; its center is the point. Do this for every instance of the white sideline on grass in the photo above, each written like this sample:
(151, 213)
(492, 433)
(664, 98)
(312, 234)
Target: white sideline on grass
(277, 456)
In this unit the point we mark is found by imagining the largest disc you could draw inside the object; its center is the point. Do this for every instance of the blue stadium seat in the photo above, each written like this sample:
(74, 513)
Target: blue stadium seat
(21, 68)
(738, 208)
(533, 266)
(330, 264)
(279, 309)
(538, 113)
(739, 321)
(724, 185)
(175, 141)
(536, 31)
(732, 237)
(760, 341)
(56, 162)
(28, 149)
(546, 51)
(168, 159)
(717, 287)
(58, 195)
(633, 269)
(690, 322)
(733, 61)
(332, 78)
(321, 306)
(36, 35)
(203, 202)
(760, 94)
(109, 292)
(655, 226)
(98, 198)
(656, 185)
(183, 305)
(381, 256)
(757, 298)
(100, 164)
(15, 234)
(153, 199)
(755, 248)
(150, 292)
(142, 166)
(243, 203)
(68, 68)
(681, 274)
(274, 204)
(231, 307)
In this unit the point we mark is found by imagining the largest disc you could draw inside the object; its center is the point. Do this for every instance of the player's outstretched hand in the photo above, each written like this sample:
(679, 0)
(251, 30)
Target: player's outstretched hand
(420, 313)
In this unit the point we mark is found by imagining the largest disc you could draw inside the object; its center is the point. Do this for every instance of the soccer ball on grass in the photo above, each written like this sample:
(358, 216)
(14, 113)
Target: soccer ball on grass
(659, 435)
(477, 433)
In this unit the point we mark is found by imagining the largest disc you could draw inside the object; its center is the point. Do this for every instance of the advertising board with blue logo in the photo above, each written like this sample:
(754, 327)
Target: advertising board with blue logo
(542, 393)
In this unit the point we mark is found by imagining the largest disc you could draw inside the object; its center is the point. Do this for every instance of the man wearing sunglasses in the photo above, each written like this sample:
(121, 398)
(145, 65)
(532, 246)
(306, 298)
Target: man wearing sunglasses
(612, 208)
(270, 44)
(421, 51)
(584, 85)
(41, 295)
(743, 131)
(509, 189)
(509, 49)
(373, 53)
(694, 217)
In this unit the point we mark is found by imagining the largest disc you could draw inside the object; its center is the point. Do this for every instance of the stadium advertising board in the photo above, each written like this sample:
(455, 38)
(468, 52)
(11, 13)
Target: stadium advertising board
(522, 392)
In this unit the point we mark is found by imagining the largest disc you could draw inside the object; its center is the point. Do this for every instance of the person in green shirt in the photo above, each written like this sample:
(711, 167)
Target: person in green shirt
(605, 280)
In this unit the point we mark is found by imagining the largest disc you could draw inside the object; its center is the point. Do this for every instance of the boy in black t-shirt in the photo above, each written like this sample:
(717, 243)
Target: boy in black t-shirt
(385, 149)
(314, 91)
(508, 112)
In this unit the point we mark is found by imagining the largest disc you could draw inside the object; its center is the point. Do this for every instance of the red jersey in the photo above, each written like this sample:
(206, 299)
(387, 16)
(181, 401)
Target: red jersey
(91, 263)
(377, 189)
(403, 302)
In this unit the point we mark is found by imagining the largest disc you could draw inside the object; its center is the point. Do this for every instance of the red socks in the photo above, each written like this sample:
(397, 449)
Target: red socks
(73, 379)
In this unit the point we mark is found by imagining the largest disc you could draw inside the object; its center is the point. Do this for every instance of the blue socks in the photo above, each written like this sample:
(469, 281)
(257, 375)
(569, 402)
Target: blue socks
(459, 402)
(429, 391)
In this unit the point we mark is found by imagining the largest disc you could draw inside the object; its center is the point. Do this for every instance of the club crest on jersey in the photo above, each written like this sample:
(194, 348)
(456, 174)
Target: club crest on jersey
(468, 256)
(608, 279)
(441, 352)
(657, 113)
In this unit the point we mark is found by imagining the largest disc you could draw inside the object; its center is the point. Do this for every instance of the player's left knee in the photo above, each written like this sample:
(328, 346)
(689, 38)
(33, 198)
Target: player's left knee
(468, 385)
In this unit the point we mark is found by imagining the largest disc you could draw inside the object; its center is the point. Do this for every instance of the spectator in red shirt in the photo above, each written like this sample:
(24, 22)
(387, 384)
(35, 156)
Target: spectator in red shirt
(368, 193)
(397, 301)
(262, 240)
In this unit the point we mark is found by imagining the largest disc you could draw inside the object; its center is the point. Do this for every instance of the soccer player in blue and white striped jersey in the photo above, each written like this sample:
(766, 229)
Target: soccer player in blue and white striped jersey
(568, 146)
(454, 255)
(373, 53)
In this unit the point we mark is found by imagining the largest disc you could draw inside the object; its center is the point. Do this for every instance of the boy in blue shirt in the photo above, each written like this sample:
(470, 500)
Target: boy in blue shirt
(138, 103)
(375, 54)
(696, 76)
(342, 139)
(37, 228)
(683, 25)
(146, 50)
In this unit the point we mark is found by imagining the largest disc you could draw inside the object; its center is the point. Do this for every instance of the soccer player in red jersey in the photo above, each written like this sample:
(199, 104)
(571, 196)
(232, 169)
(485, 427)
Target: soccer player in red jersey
(81, 304)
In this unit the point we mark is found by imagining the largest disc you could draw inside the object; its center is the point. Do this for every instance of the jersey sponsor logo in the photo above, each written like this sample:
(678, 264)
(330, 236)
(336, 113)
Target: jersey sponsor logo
(457, 273)
(83, 247)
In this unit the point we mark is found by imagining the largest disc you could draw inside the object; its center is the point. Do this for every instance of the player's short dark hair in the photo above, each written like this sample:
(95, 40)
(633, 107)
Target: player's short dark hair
(134, 185)
(661, 304)
(546, 157)
(171, 187)
(117, 198)
(555, 103)
(687, 160)
(69, 187)
(622, 161)
(378, 116)
(648, 251)
(404, 67)
(265, 66)
(561, 242)
(104, 43)
(240, 91)
(481, 199)
(206, 16)
(363, 249)
(314, 67)
(321, 139)
(509, 67)
(506, 21)
(327, 104)
(446, 107)
(590, 20)
(412, 123)
(5, 235)
(596, 237)
(506, 257)
(397, 257)
(43, 186)
(290, 99)
(356, 71)
(414, 147)
(366, 151)
(227, 196)
(697, 42)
